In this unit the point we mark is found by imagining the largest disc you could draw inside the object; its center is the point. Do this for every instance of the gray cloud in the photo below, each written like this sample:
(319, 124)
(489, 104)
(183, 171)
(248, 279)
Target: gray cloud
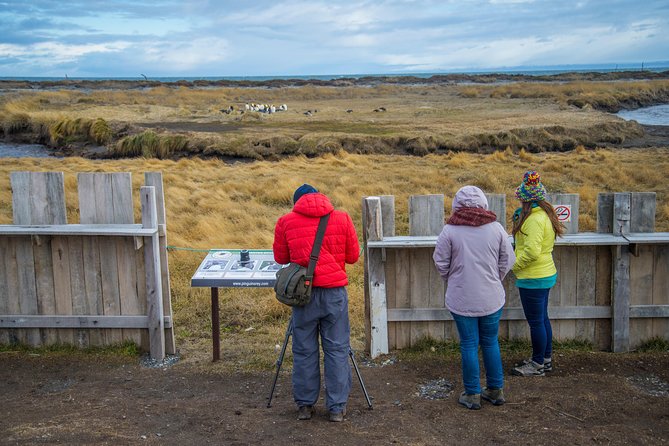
(207, 38)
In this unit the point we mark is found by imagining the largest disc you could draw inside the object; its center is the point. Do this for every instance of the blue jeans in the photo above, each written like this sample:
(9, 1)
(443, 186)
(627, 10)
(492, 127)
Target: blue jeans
(483, 331)
(327, 315)
(535, 306)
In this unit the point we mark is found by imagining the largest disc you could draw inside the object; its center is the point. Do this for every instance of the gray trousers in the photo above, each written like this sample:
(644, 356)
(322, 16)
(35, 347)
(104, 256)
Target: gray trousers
(327, 315)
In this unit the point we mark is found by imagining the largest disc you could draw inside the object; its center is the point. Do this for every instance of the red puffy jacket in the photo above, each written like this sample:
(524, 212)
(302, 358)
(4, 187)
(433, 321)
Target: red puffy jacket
(294, 237)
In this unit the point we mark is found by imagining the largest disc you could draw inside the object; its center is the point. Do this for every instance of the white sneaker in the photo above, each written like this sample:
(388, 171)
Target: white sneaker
(530, 368)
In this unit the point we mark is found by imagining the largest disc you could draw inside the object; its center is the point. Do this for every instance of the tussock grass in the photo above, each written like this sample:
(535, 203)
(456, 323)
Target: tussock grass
(69, 130)
(150, 145)
(211, 204)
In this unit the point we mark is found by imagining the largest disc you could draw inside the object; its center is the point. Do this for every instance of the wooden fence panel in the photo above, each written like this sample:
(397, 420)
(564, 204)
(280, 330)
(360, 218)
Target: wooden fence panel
(612, 291)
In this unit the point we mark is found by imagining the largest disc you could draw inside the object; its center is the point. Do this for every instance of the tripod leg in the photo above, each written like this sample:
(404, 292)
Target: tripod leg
(279, 361)
(362, 384)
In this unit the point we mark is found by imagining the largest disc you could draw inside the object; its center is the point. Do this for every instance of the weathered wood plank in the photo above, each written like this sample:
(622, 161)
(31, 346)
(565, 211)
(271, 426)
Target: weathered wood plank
(620, 297)
(77, 230)
(426, 215)
(517, 314)
(497, 204)
(80, 322)
(642, 211)
(4, 289)
(365, 278)
(585, 285)
(426, 218)
(661, 289)
(155, 179)
(39, 199)
(78, 286)
(419, 277)
(641, 293)
(153, 279)
(605, 213)
(402, 296)
(572, 202)
(12, 278)
(27, 287)
(92, 250)
(44, 277)
(568, 289)
(48, 208)
(436, 293)
(516, 329)
(391, 296)
(125, 252)
(373, 228)
(62, 284)
(604, 267)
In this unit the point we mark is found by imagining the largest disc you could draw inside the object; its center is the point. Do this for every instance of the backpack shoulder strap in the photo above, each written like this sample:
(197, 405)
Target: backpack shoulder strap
(318, 241)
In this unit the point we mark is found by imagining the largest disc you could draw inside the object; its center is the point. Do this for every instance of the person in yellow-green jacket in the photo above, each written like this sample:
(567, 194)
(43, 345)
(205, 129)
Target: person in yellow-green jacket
(535, 228)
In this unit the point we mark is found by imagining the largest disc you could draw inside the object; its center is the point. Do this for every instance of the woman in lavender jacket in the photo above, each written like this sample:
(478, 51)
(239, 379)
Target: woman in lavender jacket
(473, 254)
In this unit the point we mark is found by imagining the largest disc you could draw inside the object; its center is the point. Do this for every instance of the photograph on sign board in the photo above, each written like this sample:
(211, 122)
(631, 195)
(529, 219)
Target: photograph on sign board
(269, 265)
(215, 265)
(246, 266)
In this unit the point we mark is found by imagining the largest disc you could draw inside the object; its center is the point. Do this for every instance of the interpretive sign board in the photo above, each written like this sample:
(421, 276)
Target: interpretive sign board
(234, 268)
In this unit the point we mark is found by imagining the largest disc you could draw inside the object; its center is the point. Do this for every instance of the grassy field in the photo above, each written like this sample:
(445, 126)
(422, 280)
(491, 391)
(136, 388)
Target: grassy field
(213, 204)
(169, 122)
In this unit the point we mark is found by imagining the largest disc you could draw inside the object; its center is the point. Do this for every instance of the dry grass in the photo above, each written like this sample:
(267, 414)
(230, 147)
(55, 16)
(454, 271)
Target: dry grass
(211, 204)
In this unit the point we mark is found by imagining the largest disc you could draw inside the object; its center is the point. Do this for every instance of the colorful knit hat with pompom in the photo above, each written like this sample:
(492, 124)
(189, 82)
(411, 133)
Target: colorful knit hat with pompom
(531, 188)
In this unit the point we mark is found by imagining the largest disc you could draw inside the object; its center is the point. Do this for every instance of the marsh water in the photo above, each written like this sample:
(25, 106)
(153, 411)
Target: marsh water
(9, 150)
(655, 115)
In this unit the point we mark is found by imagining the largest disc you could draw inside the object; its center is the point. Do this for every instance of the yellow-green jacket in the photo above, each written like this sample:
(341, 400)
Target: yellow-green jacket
(534, 247)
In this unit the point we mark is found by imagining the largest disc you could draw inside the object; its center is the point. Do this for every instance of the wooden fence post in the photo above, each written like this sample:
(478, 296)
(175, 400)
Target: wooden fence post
(155, 179)
(388, 229)
(154, 297)
(378, 311)
(620, 292)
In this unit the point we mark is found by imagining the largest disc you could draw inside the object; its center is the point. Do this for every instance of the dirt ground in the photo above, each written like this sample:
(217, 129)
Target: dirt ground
(590, 398)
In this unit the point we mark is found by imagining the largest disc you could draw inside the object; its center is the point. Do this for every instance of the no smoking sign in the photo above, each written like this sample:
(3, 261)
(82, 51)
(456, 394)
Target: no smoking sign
(563, 212)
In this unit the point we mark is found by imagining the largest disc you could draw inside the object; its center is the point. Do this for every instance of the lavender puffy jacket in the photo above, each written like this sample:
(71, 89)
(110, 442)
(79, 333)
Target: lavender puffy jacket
(473, 260)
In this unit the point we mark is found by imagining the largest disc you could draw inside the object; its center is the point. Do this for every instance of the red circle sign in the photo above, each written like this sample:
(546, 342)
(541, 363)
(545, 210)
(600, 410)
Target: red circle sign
(563, 212)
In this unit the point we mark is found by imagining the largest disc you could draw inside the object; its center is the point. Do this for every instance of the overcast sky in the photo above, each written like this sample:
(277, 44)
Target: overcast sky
(91, 38)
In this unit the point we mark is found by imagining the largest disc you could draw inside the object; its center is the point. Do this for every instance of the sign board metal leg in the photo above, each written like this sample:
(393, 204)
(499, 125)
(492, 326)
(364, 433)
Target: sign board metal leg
(215, 325)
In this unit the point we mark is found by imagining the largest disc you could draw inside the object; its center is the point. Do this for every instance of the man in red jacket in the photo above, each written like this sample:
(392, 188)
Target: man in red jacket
(327, 313)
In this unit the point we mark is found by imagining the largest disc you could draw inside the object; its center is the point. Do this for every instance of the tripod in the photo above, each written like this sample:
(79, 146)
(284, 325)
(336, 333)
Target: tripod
(279, 361)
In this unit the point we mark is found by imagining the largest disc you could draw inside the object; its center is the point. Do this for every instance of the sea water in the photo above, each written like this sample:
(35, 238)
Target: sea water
(8, 150)
(655, 115)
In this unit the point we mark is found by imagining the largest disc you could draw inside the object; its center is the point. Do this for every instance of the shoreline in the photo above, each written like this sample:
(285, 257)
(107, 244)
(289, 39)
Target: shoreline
(406, 80)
